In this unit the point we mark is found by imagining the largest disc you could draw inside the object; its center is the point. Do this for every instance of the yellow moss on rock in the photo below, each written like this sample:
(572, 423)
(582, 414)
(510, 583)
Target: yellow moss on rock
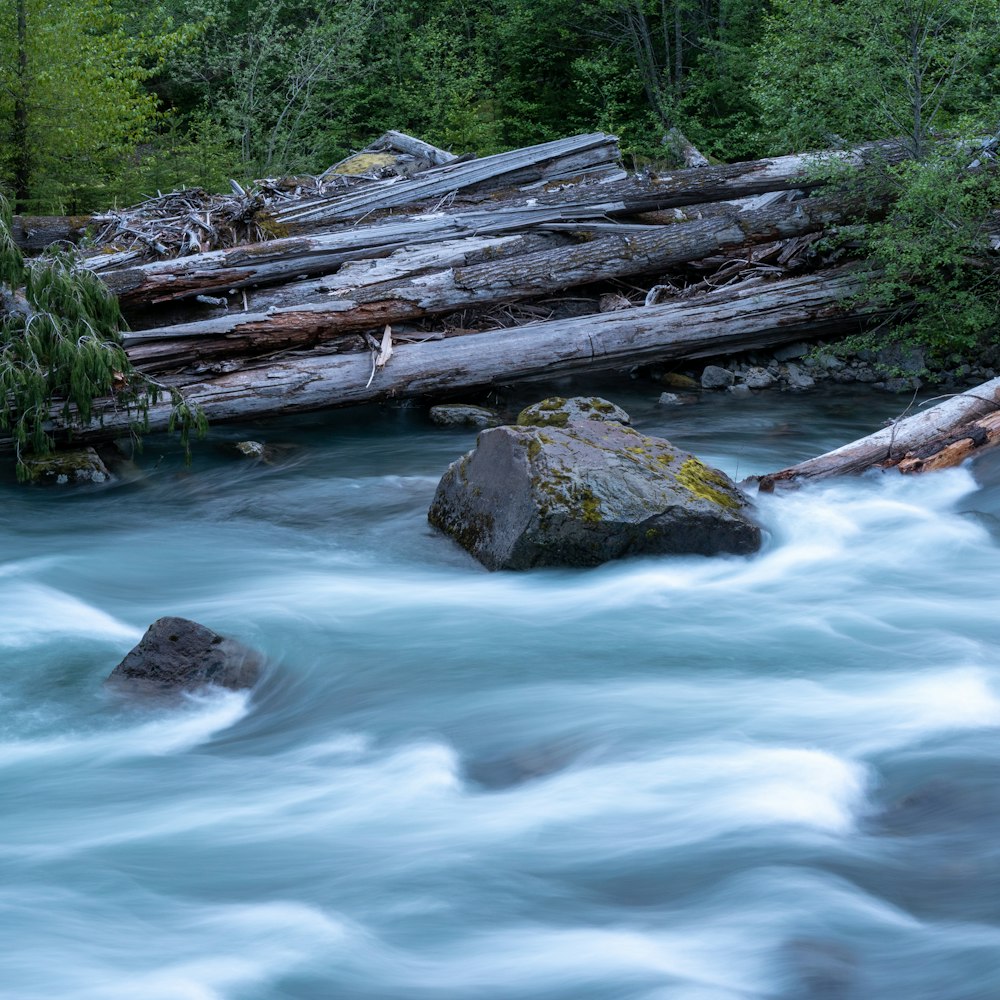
(708, 484)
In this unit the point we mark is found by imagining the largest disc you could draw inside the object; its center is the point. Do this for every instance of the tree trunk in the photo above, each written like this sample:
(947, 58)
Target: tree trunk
(943, 436)
(507, 279)
(19, 134)
(727, 321)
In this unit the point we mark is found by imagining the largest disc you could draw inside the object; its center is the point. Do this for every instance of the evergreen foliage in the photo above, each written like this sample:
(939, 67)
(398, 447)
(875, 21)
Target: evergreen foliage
(61, 346)
(935, 250)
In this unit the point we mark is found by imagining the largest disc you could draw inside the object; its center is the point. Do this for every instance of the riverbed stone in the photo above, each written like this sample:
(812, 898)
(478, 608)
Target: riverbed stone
(583, 491)
(714, 377)
(463, 415)
(67, 468)
(558, 412)
(756, 377)
(675, 380)
(796, 378)
(177, 654)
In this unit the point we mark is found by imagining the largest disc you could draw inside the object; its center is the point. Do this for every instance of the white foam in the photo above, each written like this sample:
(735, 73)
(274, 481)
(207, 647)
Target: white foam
(31, 613)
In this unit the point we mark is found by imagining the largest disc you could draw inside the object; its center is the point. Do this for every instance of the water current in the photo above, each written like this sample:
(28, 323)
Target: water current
(663, 779)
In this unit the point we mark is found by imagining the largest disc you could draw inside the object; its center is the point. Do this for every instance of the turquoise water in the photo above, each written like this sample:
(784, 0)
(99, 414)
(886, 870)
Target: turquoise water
(666, 779)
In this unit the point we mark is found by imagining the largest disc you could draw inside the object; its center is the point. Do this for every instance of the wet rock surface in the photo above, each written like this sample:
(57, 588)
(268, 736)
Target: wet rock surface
(68, 468)
(463, 415)
(177, 654)
(572, 485)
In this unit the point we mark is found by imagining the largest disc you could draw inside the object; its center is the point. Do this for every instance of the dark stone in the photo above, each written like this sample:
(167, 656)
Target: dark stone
(578, 491)
(714, 377)
(176, 654)
(463, 415)
(796, 378)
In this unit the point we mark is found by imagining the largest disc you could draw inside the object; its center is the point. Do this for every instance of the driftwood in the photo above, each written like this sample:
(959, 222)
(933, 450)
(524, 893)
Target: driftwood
(356, 308)
(548, 161)
(736, 319)
(940, 437)
(301, 256)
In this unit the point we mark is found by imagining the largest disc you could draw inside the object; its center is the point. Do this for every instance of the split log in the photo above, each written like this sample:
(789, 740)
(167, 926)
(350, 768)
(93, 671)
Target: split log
(938, 438)
(727, 321)
(352, 309)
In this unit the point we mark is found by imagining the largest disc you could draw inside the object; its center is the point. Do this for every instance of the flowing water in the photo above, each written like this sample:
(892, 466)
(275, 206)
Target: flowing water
(667, 779)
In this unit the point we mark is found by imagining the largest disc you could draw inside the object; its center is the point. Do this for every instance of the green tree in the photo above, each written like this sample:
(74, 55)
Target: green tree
(860, 70)
(72, 101)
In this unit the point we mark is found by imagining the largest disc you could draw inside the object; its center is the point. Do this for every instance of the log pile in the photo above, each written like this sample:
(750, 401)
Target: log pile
(406, 271)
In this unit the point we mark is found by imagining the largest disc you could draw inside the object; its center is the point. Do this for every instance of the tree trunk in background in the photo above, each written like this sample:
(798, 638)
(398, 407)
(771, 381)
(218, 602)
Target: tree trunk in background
(19, 133)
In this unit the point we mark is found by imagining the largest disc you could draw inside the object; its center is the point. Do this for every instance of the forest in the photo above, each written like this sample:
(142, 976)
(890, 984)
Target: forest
(103, 101)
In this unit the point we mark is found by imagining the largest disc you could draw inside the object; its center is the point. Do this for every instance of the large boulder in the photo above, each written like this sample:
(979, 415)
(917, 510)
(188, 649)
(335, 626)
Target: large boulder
(572, 485)
(177, 655)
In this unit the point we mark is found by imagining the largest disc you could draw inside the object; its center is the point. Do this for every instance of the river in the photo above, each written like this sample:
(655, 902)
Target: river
(663, 779)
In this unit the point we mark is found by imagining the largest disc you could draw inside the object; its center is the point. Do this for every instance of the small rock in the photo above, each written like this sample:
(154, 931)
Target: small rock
(462, 415)
(558, 412)
(177, 655)
(252, 449)
(758, 378)
(828, 362)
(742, 390)
(901, 357)
(670, 399)
(675, 380)
(902, 384)
(791, 351)
(796, 378)
(63, 468)
(714, 377)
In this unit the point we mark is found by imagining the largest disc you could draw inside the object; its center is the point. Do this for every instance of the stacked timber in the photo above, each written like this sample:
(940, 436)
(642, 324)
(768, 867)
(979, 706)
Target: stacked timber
(406, 271)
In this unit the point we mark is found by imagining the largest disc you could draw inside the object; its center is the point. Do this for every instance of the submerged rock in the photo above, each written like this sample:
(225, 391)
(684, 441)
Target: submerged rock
(177, 654)
(463, 415)
(64, 468)
(571, 485)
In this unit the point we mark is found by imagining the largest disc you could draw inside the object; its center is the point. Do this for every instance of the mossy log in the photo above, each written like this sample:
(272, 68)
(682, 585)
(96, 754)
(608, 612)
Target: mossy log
(940, 437)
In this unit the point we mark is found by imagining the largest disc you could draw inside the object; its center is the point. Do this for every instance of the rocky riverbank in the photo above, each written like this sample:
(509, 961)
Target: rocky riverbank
(803, 366)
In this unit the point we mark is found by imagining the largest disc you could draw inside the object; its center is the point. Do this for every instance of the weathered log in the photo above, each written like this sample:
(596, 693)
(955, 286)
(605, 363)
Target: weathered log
(549, 160)
(404, 264)
(730, 320)
(505, 279)
(684, 149)
(301, 256)
(940, 437)
(36, 232)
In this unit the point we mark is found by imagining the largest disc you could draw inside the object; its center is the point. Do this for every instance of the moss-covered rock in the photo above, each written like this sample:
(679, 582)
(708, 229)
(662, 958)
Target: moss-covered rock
(585, 490)
(558, 412)
(66, 468)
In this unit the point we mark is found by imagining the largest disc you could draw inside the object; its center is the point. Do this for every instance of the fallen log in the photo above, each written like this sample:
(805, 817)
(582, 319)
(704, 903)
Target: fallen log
(34, 233)
(547, 161)
(404, 264)
(504, 279)
(938, 438)
(727, 321)
(301, 256)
